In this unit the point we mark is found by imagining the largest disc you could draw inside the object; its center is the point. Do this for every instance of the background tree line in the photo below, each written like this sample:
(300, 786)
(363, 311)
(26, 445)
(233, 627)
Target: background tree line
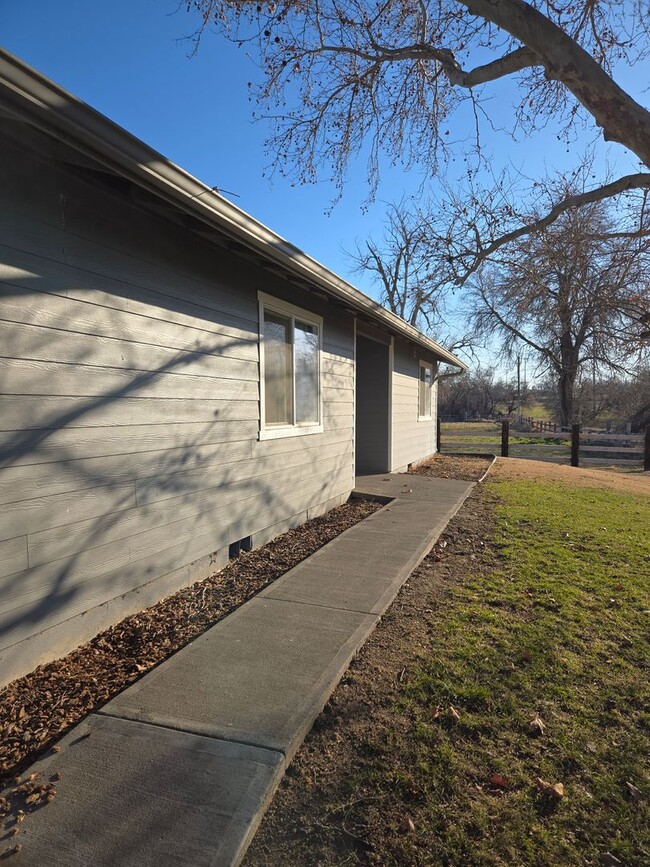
(616, 401)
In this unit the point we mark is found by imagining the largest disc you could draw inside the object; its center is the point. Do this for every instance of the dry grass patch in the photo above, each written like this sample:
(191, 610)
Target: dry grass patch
(518, 469)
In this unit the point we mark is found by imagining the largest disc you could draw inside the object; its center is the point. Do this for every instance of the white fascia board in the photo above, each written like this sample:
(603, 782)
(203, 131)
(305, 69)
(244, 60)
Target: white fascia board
(49, 107)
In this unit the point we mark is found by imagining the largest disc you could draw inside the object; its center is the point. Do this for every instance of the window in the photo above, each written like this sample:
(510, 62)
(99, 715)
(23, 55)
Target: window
(424, 396)
(290, 369)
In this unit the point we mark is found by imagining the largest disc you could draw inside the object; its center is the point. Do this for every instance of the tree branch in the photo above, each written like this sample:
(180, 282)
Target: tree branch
(521, 58)
(627, 182)
(516, 332)
(622, 119)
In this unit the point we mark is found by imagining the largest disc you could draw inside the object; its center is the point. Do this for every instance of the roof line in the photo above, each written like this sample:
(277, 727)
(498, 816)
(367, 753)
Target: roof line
(50, 107)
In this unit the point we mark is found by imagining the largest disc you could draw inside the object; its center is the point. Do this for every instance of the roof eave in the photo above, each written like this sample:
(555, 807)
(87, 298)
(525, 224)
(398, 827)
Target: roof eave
(52, 108)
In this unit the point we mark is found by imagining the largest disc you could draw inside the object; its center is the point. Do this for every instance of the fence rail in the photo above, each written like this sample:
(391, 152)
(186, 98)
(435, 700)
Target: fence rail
(575, 447)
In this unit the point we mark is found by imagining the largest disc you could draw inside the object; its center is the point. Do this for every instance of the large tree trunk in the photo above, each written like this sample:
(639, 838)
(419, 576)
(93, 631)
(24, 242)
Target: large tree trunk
(567, 379)
(568, 369)
(566, 383)
(622, 119)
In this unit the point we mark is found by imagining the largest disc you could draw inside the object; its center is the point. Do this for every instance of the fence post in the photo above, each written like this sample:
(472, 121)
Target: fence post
(575, 445)
(505, 433)
(646, 454)
(438, 438)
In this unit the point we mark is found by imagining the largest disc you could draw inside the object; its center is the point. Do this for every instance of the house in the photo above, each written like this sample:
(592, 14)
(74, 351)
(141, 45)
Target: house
(174, 377)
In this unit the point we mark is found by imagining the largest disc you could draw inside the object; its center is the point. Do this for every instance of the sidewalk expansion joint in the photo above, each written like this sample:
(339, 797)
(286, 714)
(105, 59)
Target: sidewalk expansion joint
(192, 732)
(320, 605)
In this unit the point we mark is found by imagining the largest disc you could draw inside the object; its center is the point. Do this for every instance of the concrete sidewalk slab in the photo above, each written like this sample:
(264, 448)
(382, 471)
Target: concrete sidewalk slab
(260, 676)
(363, 569)
(402, 486)
(132, 795)
(361, 572)
(364, 590)
(355, 554)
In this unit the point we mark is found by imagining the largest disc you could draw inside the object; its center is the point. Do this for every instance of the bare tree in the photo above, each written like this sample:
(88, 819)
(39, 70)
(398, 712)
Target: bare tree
(628, 399)
(575, 293)
(470, 395)
(511, 395)
(343, 75)
(399, 265)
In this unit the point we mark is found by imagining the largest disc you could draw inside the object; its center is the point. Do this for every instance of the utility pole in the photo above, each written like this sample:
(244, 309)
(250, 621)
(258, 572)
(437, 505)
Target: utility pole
(519, 386)
(525, 376)
(593, 388)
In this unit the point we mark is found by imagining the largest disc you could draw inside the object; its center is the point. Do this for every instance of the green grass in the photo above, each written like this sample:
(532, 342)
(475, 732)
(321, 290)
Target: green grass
(469, 426)
(496, 440)
(536, 410)
(559, 628)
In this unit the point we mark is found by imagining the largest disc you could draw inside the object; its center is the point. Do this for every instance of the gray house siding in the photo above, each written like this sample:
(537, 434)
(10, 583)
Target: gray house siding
(129, 390)
(413, 438)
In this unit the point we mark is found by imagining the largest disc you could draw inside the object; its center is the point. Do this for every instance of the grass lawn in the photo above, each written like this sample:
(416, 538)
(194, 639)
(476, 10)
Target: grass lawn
(558, 631)
(469, 427)
(537, 411)
(534, 608)
(491, 439)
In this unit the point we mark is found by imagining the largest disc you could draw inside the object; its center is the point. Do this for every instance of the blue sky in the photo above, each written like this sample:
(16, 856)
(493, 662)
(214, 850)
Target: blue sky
(127, 59)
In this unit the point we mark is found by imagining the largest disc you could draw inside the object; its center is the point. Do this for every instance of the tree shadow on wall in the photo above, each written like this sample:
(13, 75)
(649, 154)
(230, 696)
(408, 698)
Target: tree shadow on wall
(106, 492)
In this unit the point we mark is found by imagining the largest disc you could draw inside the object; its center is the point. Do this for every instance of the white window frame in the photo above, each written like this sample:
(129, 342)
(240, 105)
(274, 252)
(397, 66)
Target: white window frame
(272, 432)
(429, 365)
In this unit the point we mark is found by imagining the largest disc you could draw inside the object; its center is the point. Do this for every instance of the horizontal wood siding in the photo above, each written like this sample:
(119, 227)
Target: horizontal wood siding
(413, 440)
(129, 417)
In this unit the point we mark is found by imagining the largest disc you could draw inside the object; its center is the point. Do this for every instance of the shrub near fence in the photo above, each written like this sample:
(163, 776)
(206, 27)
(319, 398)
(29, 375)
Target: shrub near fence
(594, 448)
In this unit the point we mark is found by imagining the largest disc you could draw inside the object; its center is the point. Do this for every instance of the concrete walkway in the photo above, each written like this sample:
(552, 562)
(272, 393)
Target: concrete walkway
(180, 767)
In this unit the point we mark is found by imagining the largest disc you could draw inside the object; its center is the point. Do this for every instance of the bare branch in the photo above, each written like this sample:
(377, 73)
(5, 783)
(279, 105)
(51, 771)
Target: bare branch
(571, 202)
(515, 61)
(622, 118)
(399, 264)
(564, 51)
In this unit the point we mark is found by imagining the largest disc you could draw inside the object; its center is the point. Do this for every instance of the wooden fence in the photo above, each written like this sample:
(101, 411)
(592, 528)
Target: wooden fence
(575, 447)
(541, 425)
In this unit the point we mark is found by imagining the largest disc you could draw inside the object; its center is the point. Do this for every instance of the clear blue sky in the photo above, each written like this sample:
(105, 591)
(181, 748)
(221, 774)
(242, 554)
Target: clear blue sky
(125, 59)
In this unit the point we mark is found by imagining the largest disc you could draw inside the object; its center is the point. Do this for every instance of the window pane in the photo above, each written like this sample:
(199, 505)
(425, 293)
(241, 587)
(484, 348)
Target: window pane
(306, 353)
(426, 378)
(278, 387)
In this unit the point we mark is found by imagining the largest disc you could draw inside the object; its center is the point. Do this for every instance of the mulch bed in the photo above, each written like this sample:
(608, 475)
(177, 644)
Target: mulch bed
(37, 709)
(467, 469)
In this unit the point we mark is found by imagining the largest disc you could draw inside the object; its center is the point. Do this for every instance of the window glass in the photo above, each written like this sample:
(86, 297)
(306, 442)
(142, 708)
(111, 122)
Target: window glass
(306, 343)
(278, 373)
(426, 380)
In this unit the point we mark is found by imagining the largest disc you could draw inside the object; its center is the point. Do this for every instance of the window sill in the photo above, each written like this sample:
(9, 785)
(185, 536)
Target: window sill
(276, 433)
(425, 418)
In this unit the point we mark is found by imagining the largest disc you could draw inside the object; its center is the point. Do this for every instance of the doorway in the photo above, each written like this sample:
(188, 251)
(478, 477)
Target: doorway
(372, 434)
